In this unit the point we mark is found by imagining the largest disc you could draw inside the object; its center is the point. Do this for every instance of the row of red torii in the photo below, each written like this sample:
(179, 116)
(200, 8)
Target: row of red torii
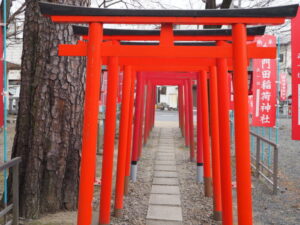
(178, 63)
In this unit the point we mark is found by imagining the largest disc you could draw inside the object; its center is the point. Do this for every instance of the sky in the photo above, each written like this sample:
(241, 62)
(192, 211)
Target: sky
(181, 4)
(172, 4)
(198, 4)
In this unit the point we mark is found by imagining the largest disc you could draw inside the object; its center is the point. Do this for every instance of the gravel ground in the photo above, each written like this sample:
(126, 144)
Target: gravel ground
(136, 203)
(280, 209)
(197, 209)
(283, 208)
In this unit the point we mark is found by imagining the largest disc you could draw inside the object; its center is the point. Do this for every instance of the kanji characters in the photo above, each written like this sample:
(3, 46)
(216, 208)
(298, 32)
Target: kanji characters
(265, 96)
(265, 107)
(266, 85)
(265, 119)
(266, 74)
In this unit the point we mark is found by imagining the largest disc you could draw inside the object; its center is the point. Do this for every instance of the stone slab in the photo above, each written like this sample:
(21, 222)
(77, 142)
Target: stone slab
(169, 213)
(165, 189)
(165, 150)
(163, 154)
(169, 153)
(163, 199)
(165, 158)
(165, 162)
(165, 168)
(165, 181)
(162, 222)
(167, 146)
(165, 174)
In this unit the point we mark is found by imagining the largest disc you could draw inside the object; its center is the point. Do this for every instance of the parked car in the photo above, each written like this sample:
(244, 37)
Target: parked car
(163, 106)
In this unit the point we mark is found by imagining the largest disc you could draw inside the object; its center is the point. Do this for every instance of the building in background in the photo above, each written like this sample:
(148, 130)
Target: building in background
(168, 95)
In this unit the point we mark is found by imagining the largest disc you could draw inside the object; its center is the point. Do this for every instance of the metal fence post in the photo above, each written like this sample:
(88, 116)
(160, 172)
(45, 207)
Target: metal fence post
(257, 156)
(99, 137)
(16, 195)
(275, 170)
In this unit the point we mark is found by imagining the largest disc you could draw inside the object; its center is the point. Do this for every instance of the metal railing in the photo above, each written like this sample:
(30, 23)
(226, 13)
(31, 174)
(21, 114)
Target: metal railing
(14, 206)
(268, 172)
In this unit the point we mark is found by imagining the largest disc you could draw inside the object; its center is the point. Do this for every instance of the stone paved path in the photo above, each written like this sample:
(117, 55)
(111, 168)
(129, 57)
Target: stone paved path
(164, 203)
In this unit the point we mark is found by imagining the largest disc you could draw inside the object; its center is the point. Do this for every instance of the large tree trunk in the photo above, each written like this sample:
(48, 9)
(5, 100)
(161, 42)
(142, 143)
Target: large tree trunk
(49, 124)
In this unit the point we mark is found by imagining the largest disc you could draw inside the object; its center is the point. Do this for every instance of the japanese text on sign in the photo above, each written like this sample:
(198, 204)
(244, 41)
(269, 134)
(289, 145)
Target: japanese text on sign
(264, 86)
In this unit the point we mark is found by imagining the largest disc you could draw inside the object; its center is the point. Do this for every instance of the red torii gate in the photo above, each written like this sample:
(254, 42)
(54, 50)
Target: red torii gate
(96, 49)
(227, 205)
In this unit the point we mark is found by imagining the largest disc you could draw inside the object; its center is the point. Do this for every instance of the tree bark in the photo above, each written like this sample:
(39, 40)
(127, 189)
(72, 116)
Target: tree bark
(49, 124)
(226, 4)
(211, 4)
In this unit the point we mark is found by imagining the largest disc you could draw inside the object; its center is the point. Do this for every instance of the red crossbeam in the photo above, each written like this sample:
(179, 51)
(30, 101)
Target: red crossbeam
(80, 49)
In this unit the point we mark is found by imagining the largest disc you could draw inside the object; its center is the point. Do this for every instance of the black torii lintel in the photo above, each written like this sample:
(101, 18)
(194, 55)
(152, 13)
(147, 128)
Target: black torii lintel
(52, 9)
(252, 31)
(176, 43)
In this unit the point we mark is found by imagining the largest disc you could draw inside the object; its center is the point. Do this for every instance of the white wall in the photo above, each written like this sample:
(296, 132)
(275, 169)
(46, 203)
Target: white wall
(14, 53)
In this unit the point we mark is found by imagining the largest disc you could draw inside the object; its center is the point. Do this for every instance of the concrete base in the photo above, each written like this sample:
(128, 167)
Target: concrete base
(133, 173)
(217, 216)
(118, 213)
(208, 187)
(200, 174)
(126, 185)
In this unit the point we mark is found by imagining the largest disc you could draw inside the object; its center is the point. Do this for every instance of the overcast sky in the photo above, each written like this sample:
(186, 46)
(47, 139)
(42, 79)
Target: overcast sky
(172, 4)
(197, 4)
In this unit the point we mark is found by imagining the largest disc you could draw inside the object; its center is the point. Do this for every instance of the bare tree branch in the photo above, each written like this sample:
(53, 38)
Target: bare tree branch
(16, 13)
(191, 5)
(226, 4)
